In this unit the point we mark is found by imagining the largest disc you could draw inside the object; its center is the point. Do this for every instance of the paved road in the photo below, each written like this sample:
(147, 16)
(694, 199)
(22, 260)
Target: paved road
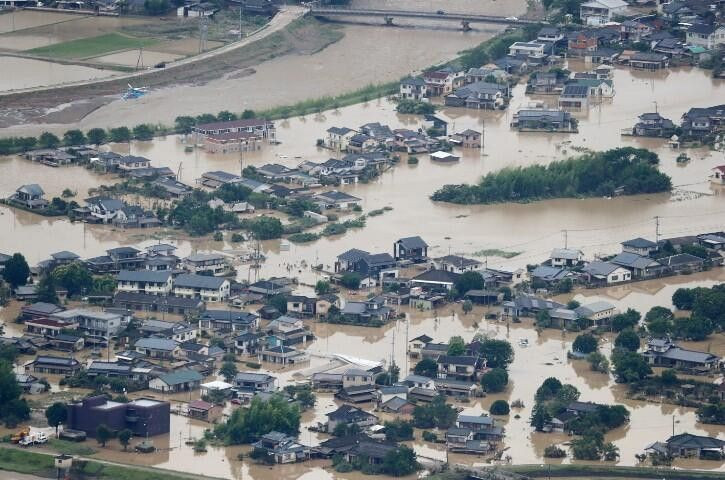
(287, 15)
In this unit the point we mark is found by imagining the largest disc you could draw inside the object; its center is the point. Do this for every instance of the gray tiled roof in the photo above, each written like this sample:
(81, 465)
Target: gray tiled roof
(198, 281)
(143, 276)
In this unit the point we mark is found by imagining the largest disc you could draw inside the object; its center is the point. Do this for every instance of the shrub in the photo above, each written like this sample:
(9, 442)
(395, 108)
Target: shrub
(500, 407)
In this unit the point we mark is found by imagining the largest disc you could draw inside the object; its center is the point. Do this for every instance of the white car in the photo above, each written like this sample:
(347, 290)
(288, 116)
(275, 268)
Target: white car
(34, 438)
(512, 19)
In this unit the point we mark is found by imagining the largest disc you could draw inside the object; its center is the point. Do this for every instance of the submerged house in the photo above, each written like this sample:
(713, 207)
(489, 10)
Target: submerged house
(479, 95)
(30, 196)
(653, 125)
(534, 120)
(664, 353)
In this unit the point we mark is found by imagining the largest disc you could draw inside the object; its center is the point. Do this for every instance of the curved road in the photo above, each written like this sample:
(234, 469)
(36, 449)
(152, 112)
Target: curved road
(286, 15)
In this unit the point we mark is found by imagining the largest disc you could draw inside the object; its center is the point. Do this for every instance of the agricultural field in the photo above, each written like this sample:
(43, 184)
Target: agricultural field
(92, 47)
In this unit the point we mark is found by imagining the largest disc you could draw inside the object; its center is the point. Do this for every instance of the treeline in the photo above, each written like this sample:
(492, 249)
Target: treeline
(76, 137)
(626, 171)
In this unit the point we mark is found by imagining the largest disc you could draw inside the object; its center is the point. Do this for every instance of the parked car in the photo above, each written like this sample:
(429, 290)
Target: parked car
(34, 438)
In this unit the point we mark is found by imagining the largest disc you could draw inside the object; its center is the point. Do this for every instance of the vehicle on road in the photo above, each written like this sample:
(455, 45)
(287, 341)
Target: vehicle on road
(34, 438)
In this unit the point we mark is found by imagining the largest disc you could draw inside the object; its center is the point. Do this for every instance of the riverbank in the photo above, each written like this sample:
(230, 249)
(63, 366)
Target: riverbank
(580, 471)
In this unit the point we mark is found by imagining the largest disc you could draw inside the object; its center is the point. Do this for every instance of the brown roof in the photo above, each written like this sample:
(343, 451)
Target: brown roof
(200, 405)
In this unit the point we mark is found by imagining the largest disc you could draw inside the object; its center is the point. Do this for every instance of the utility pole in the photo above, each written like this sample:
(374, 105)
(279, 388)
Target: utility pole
(566, 238)
(657, 229)
(673, 425)
(241, 9)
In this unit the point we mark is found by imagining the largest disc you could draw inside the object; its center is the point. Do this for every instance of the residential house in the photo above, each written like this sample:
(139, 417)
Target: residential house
(231, 142)
(128, 163)
(549, 276)
(215, 263)
(443, 81)
(582, 43)
(261, 127)
(664, 353)
(281, 448)
(409, 141)
(606, 273)
(415, 346)
(269, 287)
(635, 30)
(282, 355)
(599, 12)
(339, 137)
(490, 73)
(639, 246)
(547, 120)
(67, 366)
(349, 260)
(301, 305)
(209, 289)
(397, 405)
(156, 303)
(337, 200)
(92, 322)
(144, 281)
(566, 257)
(217, 178)
(256, 382)
(713, 241)
(574, 97)
(179, 331)
(66, 342)
(104, 209)
(158, 348)
(641, 267)
(598, 313)
(435, 280)
(370, 452)
(435, 125)
(708, 36)
(30, 196)
(479, 95)
(653, 125)
(177, 381)
(550, 35)
(201, 410)
(530, 50)
(542, 83)
(349, 415)
(648, 60)
(457, 367)
(457, 264)
(689, 445)
(597, 88)
(48, 327)
(467, 139)
(482, 426)
(196, 9)
(701, 122)
(528, 305)
(38, 310)
(324, 303)
(371, 311)
(413, 249)
(413, 88)
(247, 343)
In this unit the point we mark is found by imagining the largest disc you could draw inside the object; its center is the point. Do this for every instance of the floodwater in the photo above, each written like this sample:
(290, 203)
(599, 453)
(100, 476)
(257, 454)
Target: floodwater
(27, 72)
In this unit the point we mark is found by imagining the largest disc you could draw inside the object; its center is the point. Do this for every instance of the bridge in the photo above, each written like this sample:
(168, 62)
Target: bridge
(389, 15)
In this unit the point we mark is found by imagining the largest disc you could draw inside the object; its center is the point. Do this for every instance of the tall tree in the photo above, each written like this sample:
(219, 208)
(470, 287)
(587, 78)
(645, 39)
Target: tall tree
(45, 290)
(16, 270)
(124, 437)
(56, 414)
(103, 434)
(96, 136)
(74, 137)
(48, 140)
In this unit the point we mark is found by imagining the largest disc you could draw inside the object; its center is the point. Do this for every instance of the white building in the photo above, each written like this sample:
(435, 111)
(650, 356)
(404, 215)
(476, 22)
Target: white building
(209, 289)
(566, 257)
(599, 12)
(144, 281)
(706, 36)
(93, 322)
(205, 262)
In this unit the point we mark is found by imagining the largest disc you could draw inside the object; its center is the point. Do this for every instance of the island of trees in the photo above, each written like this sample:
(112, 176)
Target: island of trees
(626, 171)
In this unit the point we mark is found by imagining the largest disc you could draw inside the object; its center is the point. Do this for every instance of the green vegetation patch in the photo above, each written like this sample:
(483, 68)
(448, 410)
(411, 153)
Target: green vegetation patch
(70, 448)
(495, 252)
(92, 46)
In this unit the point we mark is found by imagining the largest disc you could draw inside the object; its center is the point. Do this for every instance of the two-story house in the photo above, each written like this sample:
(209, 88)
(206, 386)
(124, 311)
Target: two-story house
(413, 88)
(215, 263)
(209, 289)
(144, 281)
(599, 12)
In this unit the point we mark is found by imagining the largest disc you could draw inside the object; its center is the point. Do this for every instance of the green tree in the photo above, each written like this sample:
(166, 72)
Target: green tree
(695, 327)
(74, 137)
(245, 425)
(124, 437)
(279, 302)
(628, 319)
(629, 366)
(540, 417)
(350, 280)
(74, 277)
(48, 140)
(669, 377)
(498, 353)
(12, 408)
(684, 298)
(628, 340)
(398, 430)
(467, 307)
(184, 124)
(226, 116)
(500, 407)
(598, 362)
(120, 135)
(248, 114)
(587, 448)
(435, 414)
(156, 7)
(16, 270)
(495, 380)
(56, 414)
(469, 281)
(548, 389)
(659, 321)
(143, 131)
(45, 290)
(585, 343)
(96, 136)
(228, 371)
(103, 434)
(400, 462)
(322, 287)
(456, 346)
(427, 367)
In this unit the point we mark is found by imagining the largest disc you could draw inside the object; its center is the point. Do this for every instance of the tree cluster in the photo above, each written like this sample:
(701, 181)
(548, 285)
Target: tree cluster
(597, 174)
(246, 425)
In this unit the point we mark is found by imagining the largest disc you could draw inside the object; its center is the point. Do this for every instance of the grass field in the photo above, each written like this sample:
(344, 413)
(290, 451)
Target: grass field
(91, 47)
